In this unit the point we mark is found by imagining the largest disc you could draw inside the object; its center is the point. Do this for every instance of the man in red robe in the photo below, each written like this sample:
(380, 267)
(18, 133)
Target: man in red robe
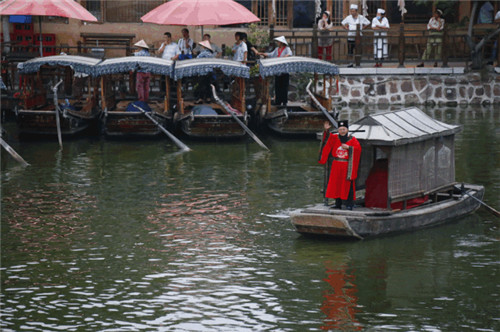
(346, 152)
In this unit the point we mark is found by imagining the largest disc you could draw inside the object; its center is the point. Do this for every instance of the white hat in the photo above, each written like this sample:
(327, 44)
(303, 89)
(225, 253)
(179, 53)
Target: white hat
(353, 6)
(206, 44)
(281, 39)
(327, 12)
(142, 43)
(380, 11)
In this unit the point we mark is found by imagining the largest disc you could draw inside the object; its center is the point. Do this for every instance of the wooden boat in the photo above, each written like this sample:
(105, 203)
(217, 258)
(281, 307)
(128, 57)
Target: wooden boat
(118, 95)
(406, 180)
(77, 96)
(208, 119)
(301, 117)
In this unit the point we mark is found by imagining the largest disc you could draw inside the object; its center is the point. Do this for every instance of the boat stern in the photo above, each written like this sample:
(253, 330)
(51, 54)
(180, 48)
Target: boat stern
(323, 224)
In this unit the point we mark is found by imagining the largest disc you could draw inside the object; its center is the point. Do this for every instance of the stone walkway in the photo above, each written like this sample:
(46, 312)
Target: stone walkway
(392, 68)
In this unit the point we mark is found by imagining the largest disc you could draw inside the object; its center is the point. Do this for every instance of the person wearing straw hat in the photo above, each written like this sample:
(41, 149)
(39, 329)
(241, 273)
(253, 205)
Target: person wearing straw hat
(206, 50)
(282, 81)
(142, 78)
(435, 39)
(203, 90)
(350, 23)
(215, 48)
(325, 42)
(380, 25)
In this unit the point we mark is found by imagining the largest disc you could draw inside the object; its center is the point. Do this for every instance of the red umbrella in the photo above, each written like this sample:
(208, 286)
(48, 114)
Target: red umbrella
(200, 12)
(60, 8)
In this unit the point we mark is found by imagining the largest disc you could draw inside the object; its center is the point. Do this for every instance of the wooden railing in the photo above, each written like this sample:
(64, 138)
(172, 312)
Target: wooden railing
(404, 45)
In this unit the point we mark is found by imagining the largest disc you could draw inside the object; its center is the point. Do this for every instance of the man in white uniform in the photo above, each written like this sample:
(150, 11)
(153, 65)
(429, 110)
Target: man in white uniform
(350, 23)
(380, 25)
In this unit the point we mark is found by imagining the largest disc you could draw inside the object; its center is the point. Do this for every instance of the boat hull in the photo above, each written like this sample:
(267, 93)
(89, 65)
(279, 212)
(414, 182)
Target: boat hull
(131, 124)
(286, 122)
(210, 127)
(43, 122)
(364, 223)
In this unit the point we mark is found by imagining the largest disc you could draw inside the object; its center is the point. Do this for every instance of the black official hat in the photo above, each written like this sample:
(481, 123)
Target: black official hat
(344, 123)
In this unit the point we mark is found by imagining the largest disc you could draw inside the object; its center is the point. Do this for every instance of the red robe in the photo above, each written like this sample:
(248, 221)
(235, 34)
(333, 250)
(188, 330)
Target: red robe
(344, 168)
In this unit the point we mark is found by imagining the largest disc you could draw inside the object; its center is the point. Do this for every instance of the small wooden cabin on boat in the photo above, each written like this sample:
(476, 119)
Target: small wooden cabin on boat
(300, 117)
(205, 118)
(118, 95)
(77, 96)
(406, 155)
(407, 172)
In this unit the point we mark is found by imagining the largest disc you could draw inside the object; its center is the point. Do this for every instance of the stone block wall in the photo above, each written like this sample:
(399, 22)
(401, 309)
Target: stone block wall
(410, 90)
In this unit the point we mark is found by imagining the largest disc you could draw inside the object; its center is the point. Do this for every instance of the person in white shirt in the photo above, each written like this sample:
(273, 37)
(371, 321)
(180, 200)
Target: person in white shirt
(185, 46)
(325, 42)
(380, 25)
(240, 49)
(168, 49)
(350, 23)
(435, 39)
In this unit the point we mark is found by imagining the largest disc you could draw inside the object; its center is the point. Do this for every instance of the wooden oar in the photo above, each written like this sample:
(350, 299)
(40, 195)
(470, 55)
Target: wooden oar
(56, 108)
(177, 142)
(13, 153)
(235, 117)
(321, 107)
(489, 208)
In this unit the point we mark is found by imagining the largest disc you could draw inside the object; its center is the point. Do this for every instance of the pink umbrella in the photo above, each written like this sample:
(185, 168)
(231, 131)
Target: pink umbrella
(60, 8)
(200, 12)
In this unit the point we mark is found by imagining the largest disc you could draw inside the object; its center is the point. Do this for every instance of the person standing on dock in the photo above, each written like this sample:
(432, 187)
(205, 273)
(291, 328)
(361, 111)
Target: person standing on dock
(346, 152)
(168, 49)
(240, 50)
(435, 39)
(142, 78)
(325, 42)
(380, 25)
(185, 46)
(350, 23)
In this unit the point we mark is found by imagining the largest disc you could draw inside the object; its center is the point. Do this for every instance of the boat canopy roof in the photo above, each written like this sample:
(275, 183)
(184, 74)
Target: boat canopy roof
(132, 63)
(396, 128)
(204, 66)
(295, 64)
(80, 64)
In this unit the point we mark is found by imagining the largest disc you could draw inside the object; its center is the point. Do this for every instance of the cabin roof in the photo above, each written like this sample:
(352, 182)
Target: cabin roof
(296, 64)
(400, 127)
(204, 66)
(132, 63)
(80, 64)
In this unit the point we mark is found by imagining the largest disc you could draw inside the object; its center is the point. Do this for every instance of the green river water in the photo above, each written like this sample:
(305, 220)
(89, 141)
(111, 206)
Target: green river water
(129, 235)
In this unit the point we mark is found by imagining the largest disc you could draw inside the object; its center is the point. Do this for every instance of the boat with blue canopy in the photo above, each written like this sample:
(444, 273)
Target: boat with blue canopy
(77, 95)
(198, 115)
(122, 111)
(301, 116)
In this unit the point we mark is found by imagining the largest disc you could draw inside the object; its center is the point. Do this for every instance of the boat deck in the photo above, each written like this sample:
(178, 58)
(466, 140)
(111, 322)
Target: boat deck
(358, 210)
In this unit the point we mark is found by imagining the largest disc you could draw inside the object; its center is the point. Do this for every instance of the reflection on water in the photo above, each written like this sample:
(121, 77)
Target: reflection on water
(340, 304)
(131, 236)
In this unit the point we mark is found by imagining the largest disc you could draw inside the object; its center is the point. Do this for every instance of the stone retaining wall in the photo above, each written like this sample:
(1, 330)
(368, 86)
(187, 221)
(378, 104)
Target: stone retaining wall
(419, 89)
